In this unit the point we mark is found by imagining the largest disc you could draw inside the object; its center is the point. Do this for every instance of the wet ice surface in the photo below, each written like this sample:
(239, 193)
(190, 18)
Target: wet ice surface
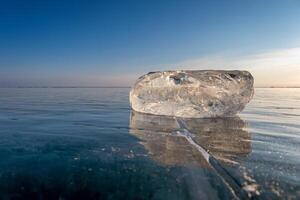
(85, 143)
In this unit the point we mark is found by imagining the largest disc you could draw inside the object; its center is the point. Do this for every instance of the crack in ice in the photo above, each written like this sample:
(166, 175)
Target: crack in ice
(232, 184)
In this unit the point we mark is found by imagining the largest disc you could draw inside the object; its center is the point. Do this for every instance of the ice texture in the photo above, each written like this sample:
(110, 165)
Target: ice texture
(192, 93)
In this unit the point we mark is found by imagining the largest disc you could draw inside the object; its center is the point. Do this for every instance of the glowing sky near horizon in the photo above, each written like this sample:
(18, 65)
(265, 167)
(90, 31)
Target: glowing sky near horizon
(111, 43)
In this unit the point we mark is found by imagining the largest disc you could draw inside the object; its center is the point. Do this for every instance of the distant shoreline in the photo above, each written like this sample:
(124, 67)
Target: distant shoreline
(278, 87)
(68, 87)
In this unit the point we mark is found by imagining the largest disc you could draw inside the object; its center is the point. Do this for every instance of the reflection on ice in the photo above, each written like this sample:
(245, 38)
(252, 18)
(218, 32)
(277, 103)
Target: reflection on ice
(223, 138)
(205, 143)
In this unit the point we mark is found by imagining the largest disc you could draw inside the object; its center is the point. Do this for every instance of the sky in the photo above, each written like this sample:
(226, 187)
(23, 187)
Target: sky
(112, 43)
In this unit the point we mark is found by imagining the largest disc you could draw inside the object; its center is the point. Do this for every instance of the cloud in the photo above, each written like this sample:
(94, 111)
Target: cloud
(270, 68)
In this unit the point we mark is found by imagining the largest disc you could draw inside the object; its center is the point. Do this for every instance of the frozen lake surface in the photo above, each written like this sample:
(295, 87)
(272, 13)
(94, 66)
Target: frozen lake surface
(85, 143)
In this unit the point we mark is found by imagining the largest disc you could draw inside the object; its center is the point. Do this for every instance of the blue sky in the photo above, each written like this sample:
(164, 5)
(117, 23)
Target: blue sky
(111, 43)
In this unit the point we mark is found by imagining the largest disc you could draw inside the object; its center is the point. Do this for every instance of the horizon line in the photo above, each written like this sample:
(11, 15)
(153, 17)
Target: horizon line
(120, 86)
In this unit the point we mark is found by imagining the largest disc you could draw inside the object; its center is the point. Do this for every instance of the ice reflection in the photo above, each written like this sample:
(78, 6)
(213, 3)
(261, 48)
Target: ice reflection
(224, 138)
